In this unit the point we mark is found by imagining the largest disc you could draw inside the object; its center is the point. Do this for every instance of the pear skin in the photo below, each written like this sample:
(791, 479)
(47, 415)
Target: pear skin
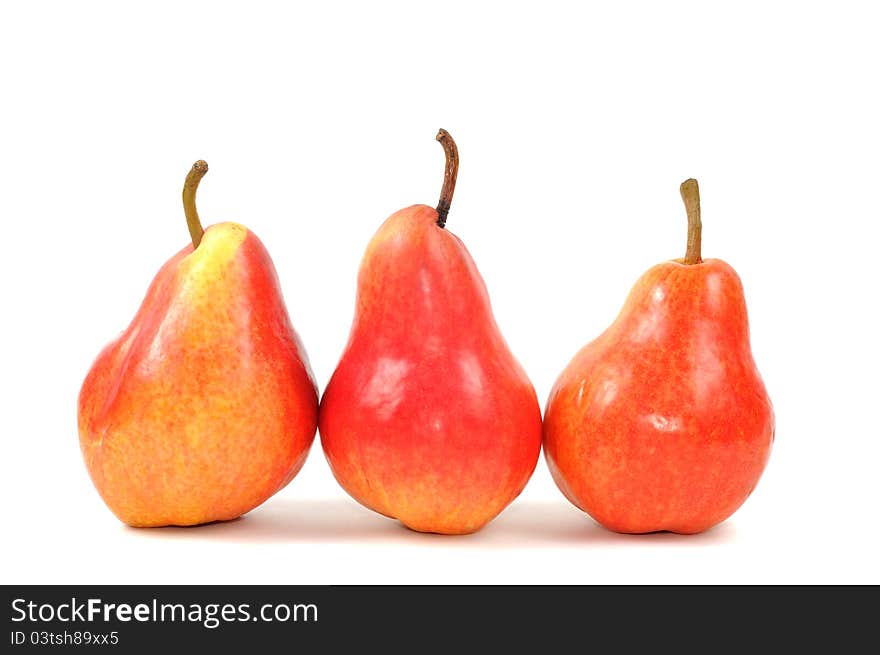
(205, 406)
(428, 417)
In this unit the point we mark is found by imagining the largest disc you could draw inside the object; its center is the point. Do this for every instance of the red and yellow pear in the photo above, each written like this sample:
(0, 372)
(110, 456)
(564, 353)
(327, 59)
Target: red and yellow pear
(428, 417)
(663, 423)
(205, 405)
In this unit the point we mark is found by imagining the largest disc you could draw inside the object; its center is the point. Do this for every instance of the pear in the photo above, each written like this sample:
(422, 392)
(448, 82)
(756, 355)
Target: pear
(428, 417)
(663, 422)
(206, 405)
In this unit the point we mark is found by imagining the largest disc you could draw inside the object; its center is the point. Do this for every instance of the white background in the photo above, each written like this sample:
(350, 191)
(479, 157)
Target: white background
(575, 124)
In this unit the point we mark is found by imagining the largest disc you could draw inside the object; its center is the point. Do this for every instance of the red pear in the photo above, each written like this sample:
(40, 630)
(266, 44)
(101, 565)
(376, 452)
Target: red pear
(205, 406)
(428, 417)
(663, 422)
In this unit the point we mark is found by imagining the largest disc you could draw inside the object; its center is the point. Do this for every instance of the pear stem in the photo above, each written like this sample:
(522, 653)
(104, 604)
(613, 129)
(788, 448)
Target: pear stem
(449, 176)
(195, 175)
(690, 193)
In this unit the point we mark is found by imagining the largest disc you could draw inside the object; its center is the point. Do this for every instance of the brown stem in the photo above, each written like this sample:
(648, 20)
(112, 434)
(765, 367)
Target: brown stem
(690, 193)
(449, 176)
(196, 173)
